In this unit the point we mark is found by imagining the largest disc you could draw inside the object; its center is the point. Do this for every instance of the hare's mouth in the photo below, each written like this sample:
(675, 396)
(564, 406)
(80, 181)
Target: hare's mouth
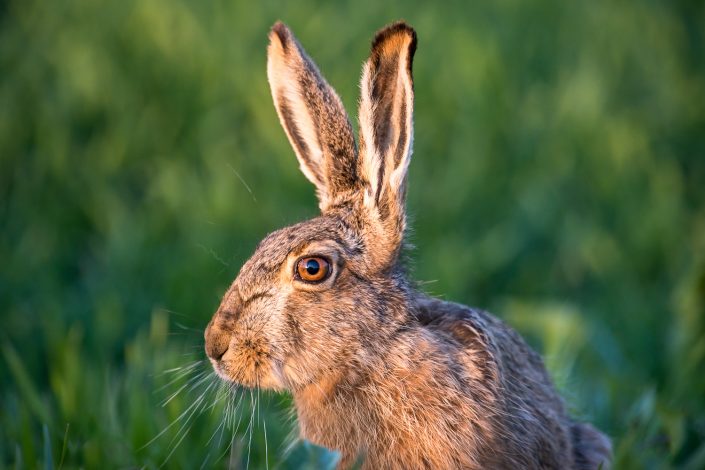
(248, 367)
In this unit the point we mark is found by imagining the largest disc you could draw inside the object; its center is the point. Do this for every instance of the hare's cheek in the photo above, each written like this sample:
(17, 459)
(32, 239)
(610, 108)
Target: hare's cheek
(265, 376)
(295, 372)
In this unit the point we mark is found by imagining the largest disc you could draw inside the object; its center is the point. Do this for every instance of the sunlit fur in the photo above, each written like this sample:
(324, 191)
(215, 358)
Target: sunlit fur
(379, 371)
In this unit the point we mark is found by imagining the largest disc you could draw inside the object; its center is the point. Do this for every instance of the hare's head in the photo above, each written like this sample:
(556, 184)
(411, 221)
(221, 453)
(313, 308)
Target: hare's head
(318, 296)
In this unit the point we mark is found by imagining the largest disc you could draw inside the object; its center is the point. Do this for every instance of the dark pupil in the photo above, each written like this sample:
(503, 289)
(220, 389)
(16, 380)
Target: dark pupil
(312, 267)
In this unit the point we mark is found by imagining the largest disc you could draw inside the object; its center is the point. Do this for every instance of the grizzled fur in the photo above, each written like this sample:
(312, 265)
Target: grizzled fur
(378, 370)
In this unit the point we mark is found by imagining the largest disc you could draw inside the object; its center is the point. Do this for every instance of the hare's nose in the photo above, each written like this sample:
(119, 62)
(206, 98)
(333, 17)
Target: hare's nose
(217, 341)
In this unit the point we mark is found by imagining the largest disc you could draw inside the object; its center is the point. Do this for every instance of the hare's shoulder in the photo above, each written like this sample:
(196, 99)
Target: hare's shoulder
(484, 336)
(468, 326)
(465, 333)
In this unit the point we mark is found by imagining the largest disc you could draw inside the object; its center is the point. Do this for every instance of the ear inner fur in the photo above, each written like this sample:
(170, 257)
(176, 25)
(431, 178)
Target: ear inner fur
(386, 131)
(298, 142)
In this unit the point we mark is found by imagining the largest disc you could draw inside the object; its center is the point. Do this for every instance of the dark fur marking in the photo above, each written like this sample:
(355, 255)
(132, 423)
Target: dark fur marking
(259, 295)
(298, 141)
(457, 370)
(403, 137)
(356, 275)
(294, 329)
(383, 207)
(230, 316)
(282, 33)
(391, 30)
(380, 180)
(383, 92)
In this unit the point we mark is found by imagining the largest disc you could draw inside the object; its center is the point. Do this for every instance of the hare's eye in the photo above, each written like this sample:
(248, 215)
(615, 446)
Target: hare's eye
(313, 269)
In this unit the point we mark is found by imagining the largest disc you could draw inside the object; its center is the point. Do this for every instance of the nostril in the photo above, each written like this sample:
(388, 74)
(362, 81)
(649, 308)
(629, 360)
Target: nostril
(217, 347)
(217, 354)
(217, 342)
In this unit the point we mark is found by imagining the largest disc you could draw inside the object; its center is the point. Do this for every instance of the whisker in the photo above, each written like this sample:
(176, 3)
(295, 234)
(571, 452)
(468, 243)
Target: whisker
(187, 328)
(215, 256)
(233, 448)
(194, 382)
(243, 182)
(180, 376)
(175, 447)
(220, 428)
(174, 312)
(249, 443)
(183, 430)
(266, 446)
(170, 425)
(205, 461)
(230, 413)
(180, 368)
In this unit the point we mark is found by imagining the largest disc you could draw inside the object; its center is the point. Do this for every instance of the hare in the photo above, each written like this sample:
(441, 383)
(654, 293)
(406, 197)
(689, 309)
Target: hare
(379, 371)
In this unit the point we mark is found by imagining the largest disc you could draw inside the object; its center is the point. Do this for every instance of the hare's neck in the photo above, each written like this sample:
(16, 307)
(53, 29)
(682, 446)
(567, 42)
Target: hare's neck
(319, 413)
(384, 403)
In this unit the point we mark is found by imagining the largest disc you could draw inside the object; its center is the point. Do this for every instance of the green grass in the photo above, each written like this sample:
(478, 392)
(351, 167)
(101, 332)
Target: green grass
(558, 180)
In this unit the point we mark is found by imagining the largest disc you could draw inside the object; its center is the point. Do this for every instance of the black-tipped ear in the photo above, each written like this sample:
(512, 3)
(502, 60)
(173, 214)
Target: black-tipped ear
(313, 117)
(386, 127)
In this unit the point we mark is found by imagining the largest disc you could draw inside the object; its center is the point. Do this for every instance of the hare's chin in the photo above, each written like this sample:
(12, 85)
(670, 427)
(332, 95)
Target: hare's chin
(220, 372)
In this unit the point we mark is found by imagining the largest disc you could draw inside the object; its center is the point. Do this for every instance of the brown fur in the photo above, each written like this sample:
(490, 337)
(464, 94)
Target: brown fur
(378, 370)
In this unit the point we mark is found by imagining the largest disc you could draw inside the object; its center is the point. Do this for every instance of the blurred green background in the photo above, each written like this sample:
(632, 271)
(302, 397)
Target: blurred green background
(558, 180)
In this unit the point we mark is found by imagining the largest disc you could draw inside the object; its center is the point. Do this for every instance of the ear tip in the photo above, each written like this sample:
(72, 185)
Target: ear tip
(398, 29)
(281, 32)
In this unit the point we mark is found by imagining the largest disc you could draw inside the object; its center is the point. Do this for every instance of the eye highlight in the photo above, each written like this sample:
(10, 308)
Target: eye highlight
(312, 269)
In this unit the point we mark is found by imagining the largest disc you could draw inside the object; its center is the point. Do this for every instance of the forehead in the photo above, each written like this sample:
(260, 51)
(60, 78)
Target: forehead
(274, 249)
(280, 243)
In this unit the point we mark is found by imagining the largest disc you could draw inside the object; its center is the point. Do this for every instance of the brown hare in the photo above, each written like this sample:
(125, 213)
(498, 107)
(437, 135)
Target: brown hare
(379, 371)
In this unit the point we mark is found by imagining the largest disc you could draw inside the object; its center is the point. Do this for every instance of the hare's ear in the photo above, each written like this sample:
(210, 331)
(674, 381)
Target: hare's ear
(386, 128)
(313, 117)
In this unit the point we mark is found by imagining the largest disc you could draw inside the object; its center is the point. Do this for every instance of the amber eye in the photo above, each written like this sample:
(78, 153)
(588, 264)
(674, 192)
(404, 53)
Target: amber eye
(313, 269)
